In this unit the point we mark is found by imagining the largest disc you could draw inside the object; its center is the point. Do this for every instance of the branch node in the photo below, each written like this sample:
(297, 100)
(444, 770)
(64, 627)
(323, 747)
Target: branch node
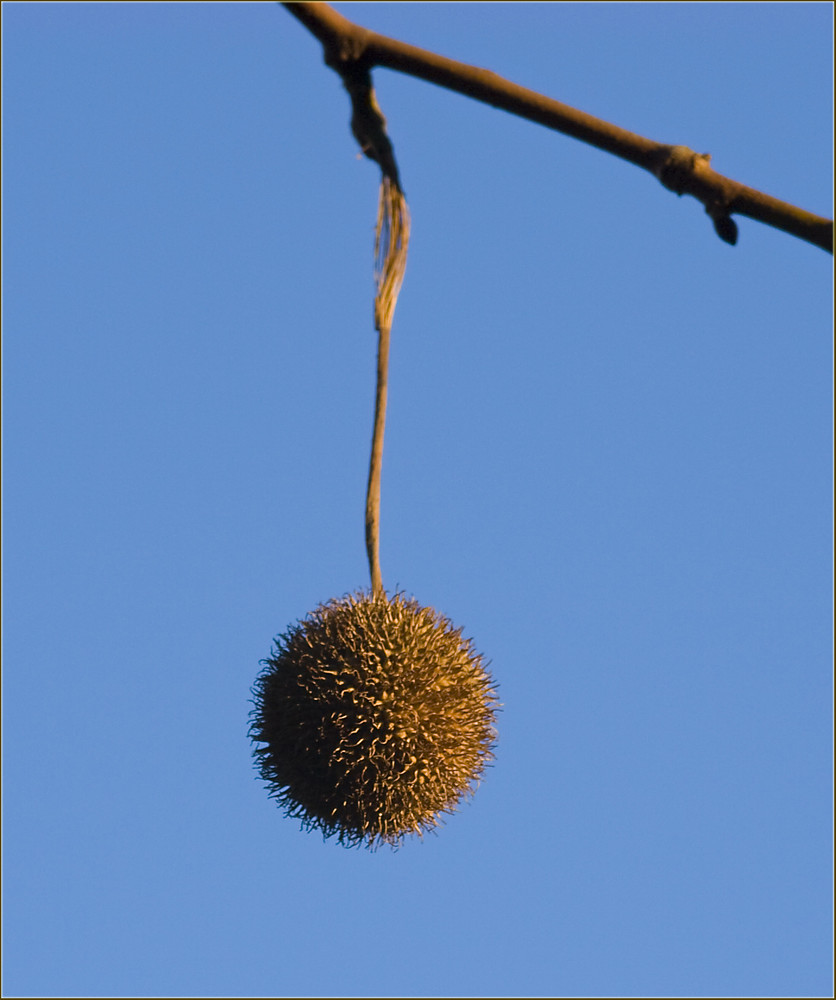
(676, 167)
(346, 53)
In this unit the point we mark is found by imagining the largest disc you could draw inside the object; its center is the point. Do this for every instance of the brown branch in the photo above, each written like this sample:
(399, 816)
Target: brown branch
(347, 47)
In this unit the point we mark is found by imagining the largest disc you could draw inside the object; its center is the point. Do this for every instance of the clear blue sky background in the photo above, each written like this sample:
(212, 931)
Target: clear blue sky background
(608, 458)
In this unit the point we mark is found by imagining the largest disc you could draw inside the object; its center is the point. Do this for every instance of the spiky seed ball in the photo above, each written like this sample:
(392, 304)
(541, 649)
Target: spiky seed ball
(377, 717)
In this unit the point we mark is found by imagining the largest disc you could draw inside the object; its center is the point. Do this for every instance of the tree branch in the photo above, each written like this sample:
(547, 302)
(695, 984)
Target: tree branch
(349, 47)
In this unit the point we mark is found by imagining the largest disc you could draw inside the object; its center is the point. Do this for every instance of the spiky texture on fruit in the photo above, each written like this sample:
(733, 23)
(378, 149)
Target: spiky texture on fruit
(377, 717)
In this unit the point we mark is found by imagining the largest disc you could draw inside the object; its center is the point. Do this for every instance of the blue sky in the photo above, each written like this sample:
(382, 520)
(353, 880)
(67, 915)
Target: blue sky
(608, 458)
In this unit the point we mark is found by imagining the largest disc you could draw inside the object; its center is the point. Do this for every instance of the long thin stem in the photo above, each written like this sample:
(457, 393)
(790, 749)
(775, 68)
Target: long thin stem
(391, 242)
(375, 464)
(390, 249)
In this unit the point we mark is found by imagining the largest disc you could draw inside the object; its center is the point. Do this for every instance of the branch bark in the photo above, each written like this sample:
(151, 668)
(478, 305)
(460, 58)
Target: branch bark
(348, 47)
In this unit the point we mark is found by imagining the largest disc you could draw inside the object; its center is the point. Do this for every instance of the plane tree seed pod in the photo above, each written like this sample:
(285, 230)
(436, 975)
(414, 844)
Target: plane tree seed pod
(375, 715)
(377, 718)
